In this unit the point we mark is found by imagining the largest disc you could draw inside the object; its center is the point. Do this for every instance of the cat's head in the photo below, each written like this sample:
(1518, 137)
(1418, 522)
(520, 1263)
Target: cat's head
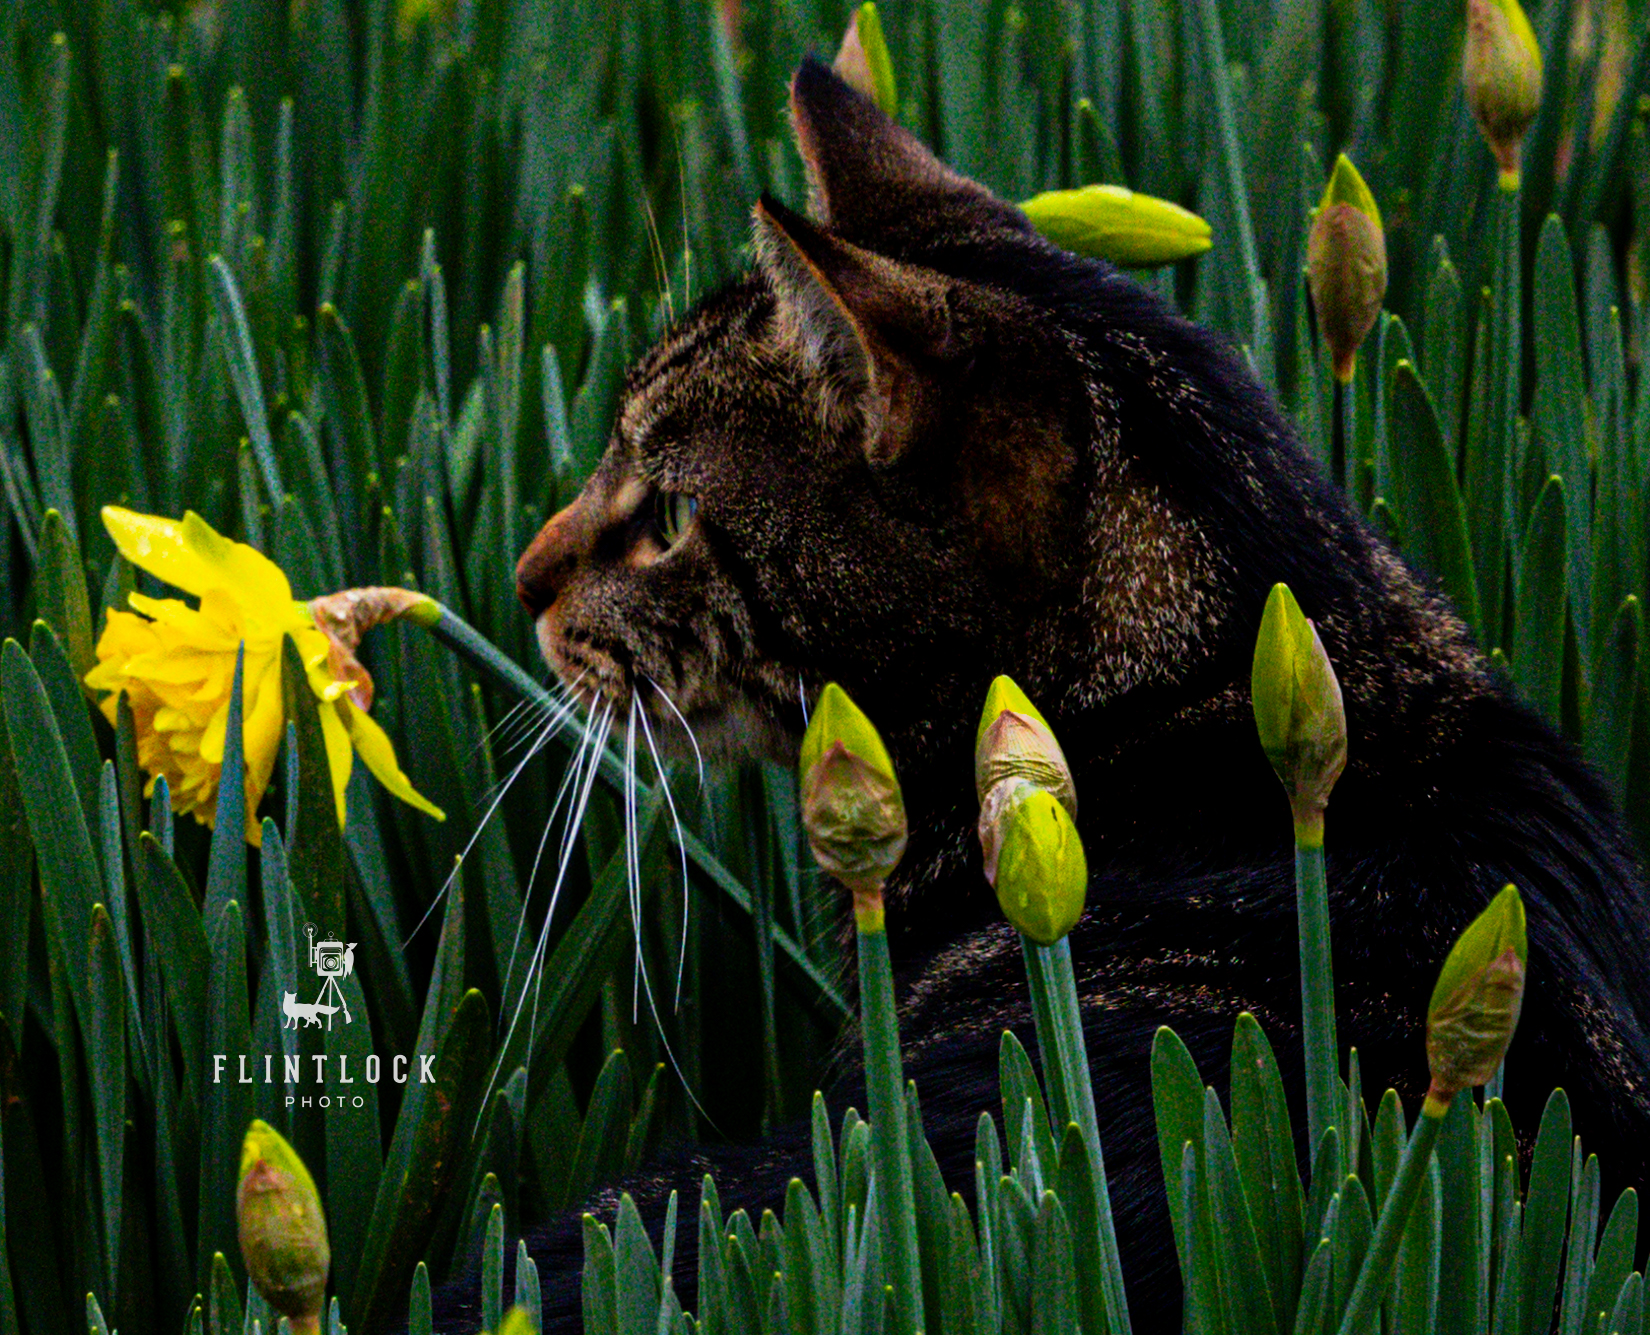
(905, 453)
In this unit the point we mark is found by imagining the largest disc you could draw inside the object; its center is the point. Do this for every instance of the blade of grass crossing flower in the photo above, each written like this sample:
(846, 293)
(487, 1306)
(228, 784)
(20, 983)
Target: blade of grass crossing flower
(226, 865)
(1538, 638)
(316, 863)
(1430, 509)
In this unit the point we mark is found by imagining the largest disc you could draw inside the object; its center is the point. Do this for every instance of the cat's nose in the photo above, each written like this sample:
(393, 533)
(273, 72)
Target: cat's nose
(550, 559)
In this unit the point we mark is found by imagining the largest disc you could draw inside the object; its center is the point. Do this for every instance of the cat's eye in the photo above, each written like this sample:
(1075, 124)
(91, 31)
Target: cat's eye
(673, 511)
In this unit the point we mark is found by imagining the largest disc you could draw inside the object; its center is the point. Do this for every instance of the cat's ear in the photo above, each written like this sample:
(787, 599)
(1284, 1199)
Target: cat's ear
(876, 328)
(874, 182)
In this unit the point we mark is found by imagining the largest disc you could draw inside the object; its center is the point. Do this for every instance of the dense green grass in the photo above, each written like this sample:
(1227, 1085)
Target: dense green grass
(358, 285)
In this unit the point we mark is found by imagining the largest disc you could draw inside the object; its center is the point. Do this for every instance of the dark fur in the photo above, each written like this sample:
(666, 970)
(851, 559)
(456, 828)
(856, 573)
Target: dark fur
(928, 448)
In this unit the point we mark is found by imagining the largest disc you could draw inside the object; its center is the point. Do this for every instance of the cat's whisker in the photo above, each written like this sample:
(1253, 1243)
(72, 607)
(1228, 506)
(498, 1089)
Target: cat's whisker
(681, 845)
(584, 767)
(641, 983)
(544, 736)
(698, 755)
(569, 780)
(552, 715)
(802, 695)
(632, 855)
(562, 697)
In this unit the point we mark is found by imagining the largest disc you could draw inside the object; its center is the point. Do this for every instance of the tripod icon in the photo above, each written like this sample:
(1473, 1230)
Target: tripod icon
(333, 961)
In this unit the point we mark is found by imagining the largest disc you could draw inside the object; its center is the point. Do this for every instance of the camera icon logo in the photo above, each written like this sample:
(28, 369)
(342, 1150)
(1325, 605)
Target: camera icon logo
(332, 961)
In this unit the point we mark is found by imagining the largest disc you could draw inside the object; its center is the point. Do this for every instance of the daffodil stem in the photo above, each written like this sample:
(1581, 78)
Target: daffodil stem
(1066, 1071)
(890, 1148)
(487, 658)
(1389, 1230)
(1317, 987)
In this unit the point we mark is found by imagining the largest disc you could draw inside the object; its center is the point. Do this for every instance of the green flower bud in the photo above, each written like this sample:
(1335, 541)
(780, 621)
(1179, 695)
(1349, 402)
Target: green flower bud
(1015, 741)
(1501, 72)
(1111, 222)
(283, 1230)
(1298, 711)
(851, 803)
(1033, 859)
(1028, 811)
(862, 61)
(1475, 1005)
(1346, 264)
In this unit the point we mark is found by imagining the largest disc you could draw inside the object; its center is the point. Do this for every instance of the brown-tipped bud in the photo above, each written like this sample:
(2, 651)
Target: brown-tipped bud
(1298, 711)
(1501, 72)
(851, 803)
(1028, 811)
(1014, 741)
(282, 1228)
(1477, 999)
(1346, 265)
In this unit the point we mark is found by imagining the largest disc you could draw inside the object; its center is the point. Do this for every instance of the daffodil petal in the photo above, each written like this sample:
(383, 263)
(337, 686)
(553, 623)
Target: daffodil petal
(340, 756)
(375, 748)
(261, 582)
(158, 545)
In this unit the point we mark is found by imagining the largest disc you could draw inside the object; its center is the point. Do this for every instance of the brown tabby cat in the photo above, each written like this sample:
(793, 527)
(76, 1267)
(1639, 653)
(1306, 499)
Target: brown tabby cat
(919, 446)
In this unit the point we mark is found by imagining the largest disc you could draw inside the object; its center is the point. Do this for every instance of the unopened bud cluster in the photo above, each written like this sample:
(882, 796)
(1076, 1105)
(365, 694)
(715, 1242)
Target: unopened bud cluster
(1028, 812)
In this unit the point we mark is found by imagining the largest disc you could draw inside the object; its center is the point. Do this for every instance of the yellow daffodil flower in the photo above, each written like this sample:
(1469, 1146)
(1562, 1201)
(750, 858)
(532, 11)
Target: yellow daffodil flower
(176, 664)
